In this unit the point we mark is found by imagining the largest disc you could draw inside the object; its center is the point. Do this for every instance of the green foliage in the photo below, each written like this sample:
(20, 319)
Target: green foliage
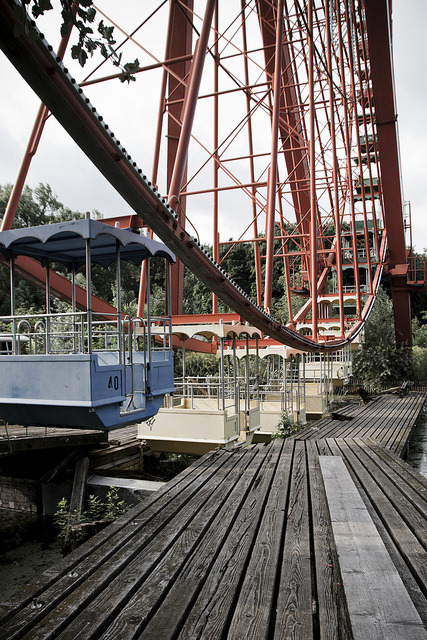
(419, 349)
(419, 331)
(62, 516)
(113, 507)
(97, 511)
(81, 16)
(286, 427)
(380, 362)
(196, 298)
(196, 364)
(419, 363)
(37, 206)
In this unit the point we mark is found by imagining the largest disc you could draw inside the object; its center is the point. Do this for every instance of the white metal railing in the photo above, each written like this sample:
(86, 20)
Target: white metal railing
(228, 393)
(350, 288)
(50, 333)
(347, 253)
(343, 355)
(81, 332)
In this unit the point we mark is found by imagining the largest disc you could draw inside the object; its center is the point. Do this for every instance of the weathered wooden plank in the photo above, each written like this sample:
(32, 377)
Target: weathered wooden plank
(389, 419)
(52, 586)
(406, 471)
(404, 539)
(411, 515)
(180, 578)
(51, 441)
(94, 604)
(210, 614)
(378, 602)
(416, 498)
(394, 432)
(294, 618)
(321, 447)
(79, 485)
(254, 608)
(401, 441)
(169, 491)
(404, 569)
(331, 606)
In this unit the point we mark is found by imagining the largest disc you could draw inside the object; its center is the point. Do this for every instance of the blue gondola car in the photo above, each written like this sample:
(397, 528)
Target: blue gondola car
(83, 369)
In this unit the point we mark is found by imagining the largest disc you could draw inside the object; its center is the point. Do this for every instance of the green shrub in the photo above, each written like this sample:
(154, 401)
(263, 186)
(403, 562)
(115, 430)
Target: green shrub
(286, 427)
(72, 523)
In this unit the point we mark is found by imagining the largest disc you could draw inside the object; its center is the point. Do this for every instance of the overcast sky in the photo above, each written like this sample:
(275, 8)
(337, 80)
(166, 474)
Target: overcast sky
(78, 185)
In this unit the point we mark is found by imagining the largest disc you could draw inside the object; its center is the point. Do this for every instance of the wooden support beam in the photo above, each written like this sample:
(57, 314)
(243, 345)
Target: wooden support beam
(79, 488)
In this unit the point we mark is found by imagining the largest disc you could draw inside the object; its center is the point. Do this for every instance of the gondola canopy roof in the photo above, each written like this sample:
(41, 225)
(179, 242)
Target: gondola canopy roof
(65, 242)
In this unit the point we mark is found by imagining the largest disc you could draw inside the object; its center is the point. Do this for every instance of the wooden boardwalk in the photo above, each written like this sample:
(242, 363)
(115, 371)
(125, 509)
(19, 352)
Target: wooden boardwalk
(268, 542)
(18, 439)
(388, 419)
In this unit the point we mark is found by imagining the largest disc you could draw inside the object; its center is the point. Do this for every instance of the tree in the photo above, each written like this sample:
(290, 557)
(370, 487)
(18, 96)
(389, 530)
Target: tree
(380, 362)
(36, 207)
(419, 350)
(419, 331)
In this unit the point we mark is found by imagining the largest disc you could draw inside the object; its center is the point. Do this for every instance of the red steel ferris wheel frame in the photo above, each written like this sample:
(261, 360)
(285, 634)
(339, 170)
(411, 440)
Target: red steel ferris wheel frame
(297, 138)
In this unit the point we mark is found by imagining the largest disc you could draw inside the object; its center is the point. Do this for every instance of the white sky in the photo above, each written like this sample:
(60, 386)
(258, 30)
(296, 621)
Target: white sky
(79, 186)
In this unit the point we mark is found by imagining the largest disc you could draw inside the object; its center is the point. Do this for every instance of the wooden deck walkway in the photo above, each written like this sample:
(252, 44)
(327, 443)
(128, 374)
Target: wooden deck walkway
(18, 439)
(267, 542)
(387, 419)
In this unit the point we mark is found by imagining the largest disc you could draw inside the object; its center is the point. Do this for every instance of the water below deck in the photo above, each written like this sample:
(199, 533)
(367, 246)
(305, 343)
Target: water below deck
(319, 536)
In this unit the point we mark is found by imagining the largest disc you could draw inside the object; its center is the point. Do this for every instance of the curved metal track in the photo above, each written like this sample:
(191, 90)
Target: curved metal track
(43, 70)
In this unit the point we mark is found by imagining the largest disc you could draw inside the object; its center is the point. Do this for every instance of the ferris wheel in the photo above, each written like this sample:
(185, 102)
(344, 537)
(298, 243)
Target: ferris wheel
(268, 125)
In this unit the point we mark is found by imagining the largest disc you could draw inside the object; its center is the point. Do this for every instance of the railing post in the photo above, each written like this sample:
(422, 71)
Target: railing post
(48, 342)
(222, 372)
(89, 296)
(119, 299)
(12, 300)
(169, 298)
(184, 382)
(248, 388)
(73, 304)
(148, 302)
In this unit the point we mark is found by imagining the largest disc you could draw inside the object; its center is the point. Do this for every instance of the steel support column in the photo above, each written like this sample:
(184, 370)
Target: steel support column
(378, 28)
(272, 175)
(312, 155)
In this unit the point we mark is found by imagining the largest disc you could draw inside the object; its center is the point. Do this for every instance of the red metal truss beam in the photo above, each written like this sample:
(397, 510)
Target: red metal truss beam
(378, 28)
(38, 65)
(206, 318)
(272, 175)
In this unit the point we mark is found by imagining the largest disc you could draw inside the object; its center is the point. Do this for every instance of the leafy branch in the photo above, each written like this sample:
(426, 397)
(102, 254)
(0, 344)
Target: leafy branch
(82, 16)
